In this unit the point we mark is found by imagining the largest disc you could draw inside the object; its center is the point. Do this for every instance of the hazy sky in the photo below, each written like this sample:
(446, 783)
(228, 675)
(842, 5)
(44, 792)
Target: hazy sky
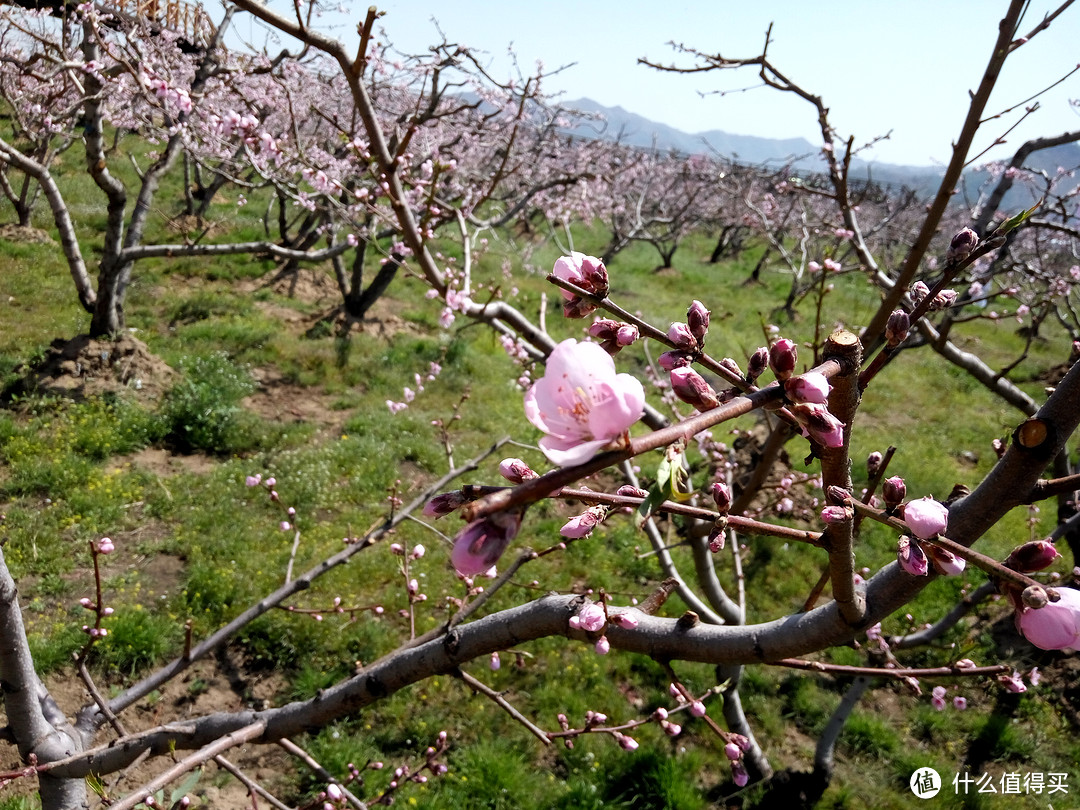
(879, 66)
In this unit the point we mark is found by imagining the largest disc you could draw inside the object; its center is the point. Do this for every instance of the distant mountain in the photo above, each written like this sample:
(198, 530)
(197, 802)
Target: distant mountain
(803, 156)
(637, 130)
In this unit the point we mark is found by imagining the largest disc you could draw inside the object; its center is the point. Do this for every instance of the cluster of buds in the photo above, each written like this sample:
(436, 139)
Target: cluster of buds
(943, 300)
(269, 484)
(937, 699)
(586, 272)
(1049, 619)
(98, 548)
(613, 335)
(404, 774)
(721, 494)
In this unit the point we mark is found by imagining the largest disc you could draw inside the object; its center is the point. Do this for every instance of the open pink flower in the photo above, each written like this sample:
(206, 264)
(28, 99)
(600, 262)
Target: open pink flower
(480, 544)
(1056, 626)
(581, 403)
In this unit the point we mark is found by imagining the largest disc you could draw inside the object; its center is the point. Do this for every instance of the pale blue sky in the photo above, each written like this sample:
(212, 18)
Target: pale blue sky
(901, 66)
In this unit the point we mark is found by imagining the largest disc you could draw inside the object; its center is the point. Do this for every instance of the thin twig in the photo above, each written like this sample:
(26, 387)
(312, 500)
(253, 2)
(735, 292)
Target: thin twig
(504, 704)
(231, 740)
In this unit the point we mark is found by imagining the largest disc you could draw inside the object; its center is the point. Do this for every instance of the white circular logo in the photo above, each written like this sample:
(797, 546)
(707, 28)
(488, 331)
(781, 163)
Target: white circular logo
(925, 783)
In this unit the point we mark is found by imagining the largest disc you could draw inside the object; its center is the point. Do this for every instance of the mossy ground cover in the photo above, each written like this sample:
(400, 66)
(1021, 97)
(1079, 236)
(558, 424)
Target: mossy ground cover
(166, 480)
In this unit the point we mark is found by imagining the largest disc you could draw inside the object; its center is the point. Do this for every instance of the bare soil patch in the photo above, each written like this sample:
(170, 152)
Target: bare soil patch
(22, 234)
(86, 366)
(278, 400)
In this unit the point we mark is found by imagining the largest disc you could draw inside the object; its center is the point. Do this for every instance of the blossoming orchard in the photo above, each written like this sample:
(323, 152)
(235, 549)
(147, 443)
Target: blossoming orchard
(696, 510)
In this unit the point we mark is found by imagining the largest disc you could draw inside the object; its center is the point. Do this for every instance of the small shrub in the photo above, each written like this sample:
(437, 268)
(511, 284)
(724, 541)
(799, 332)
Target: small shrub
(202, 411)
(137, 639)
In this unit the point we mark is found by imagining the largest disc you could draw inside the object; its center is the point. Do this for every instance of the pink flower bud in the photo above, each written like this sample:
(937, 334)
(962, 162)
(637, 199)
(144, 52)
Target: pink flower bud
(783, 355)
(819, 425)
(918, 292)
(252, 480)
(682, 338)
(671, 729)
(730, 364)
(911, 557)
(626, 621)
(397, 549)
(759, 361)
(896, 328)
(961, 245)
(697, 318)
(669, 361)
(717, 537)
(732, 751)
(627, 743)
(1031, 557)
(586, 272)
(516, 471)
(810, 387)
(739, 773)
(105, 546)
(943, 300)
(926, 517)
(959, 703)
(628, 491)
(873, 462)
(836, 514)
(944, 561)
(445, 504)
(721, 495)
(590, 618)
(626, 334)
(583, 524)
(495, 664)
(604, 328)
(1055, 626)
(893, 491)
(418, 551)
(602, 646)
(697, 708)
(691, 388)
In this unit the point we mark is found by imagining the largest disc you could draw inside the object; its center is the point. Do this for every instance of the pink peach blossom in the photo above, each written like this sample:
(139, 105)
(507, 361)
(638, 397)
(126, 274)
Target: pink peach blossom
(581, 403)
